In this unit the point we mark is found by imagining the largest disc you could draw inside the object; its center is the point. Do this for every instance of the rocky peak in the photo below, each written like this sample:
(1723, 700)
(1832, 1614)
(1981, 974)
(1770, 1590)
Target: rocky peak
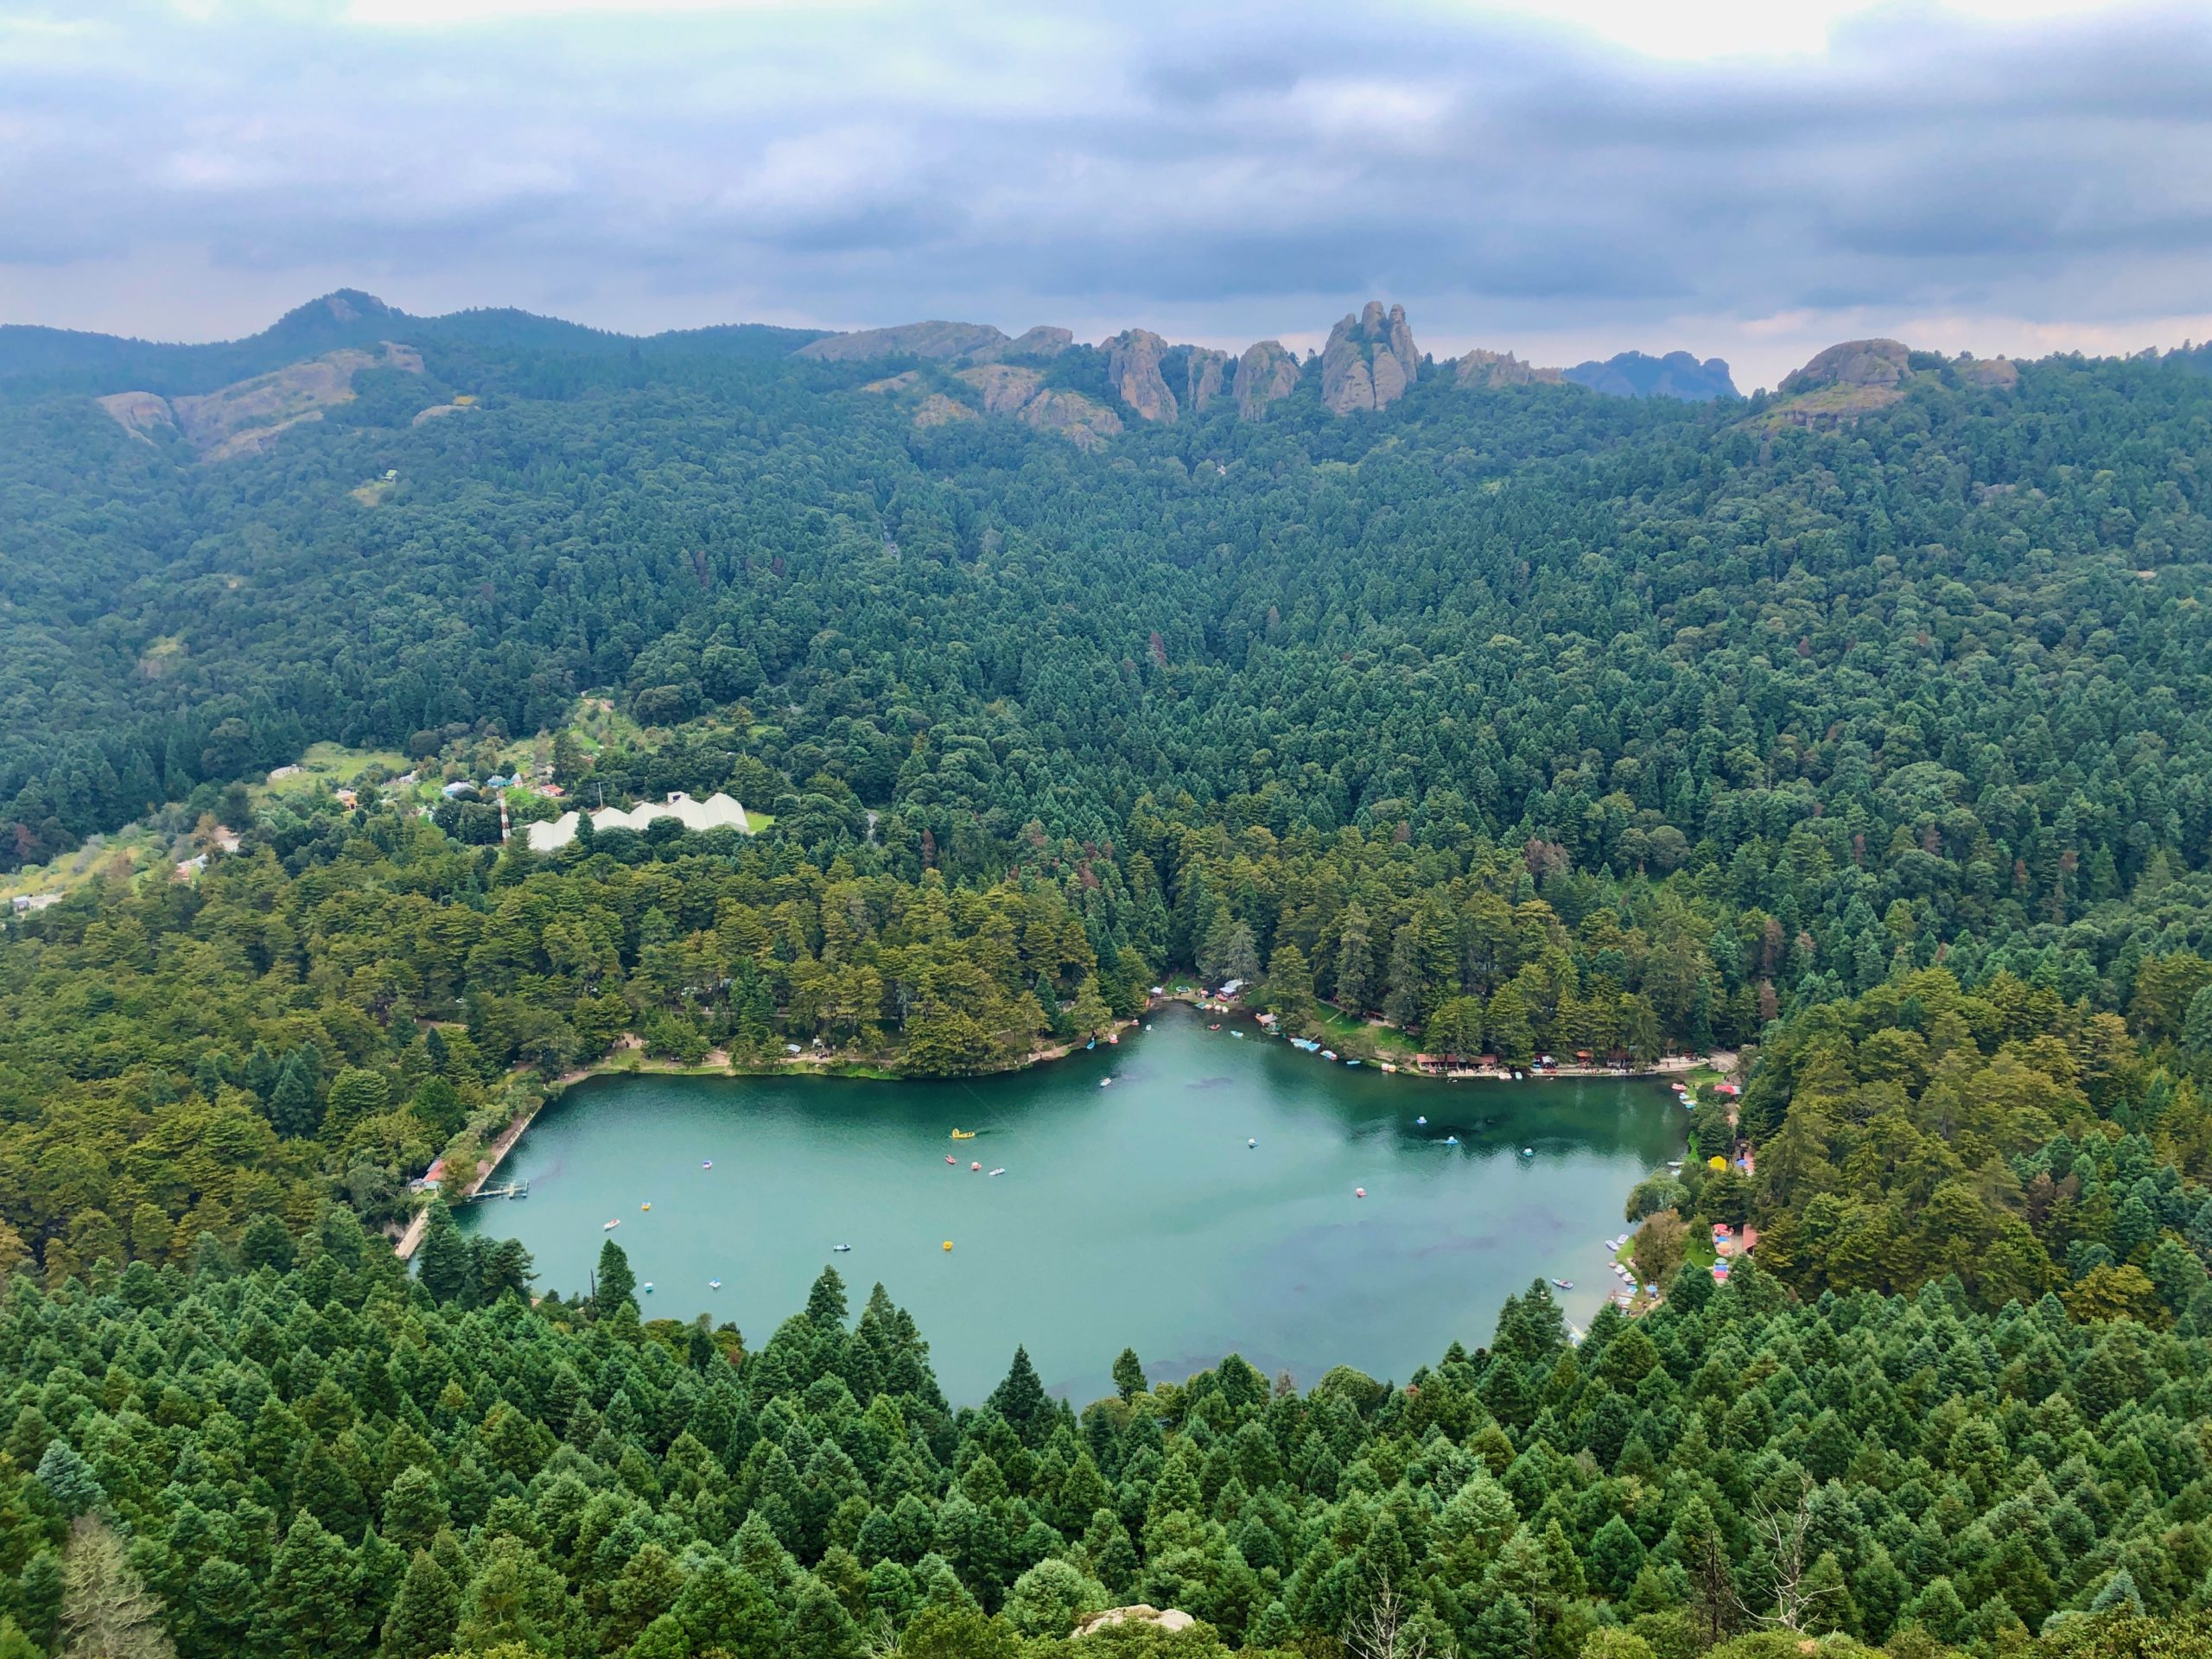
(1265, 372)
(1487, 370)
(1133, 368)
(936, 338)
(1040, 341)
(1872, 363)
(1370, 360)
(1203, 377)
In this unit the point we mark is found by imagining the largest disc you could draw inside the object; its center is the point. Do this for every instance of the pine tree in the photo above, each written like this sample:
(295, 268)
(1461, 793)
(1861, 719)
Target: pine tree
(614, 1282)
(106, 1611)
(423, 1614)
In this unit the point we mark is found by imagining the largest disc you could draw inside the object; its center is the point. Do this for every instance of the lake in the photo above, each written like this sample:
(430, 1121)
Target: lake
(1132, 1214)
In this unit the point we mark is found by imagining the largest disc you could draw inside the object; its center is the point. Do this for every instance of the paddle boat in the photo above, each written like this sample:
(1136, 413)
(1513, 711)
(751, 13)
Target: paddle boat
(948, 1244)
(1422, 1121)
(1360, 1191)
(644, 1206)
(707, 1164)
(1250, 1141)
(648, 1287)
(1450, 1140)
(841, 1249)
(963, 1135)
(714, 1284)
(949, 1159)
(1528, 1152)
(973, 1169)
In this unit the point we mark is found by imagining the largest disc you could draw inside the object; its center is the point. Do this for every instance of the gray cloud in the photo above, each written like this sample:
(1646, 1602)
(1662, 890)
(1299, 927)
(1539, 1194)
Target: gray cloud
(1239, 172)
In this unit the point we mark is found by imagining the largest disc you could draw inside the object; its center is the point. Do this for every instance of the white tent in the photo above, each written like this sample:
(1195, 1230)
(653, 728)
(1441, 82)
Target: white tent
(717, 811)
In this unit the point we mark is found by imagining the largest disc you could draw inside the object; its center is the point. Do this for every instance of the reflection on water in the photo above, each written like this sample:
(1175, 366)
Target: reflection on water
(1131, 1214)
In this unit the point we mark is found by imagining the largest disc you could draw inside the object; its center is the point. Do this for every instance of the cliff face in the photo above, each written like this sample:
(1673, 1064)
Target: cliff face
(1133, 367)
(1265, 372)
(1204, 379)
(1370, 360)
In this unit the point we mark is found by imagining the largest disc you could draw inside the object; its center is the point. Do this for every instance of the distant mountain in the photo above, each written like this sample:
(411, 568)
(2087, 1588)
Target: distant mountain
(1634, 374)
(35, 360)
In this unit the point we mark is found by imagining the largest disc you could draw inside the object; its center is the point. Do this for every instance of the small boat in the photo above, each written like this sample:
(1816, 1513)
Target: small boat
(1328, 1053)
(709, 1164)
(972, 1168)
(1148, 1028)
(1001, 1170)
(841, 1249)
(1102, 1082)
(1422, 1121)
(714, 1284)
(1250, 1142)
(611, 1226)
(963, 1135)
(1450, 1140)
(1113, 1038)
(1564, 1284)
(1092, 1044)
(1352, 1062)
(948, 1244)
(649, 1286)
(1236, 1033)
(1360, 1191)
(1215, 1026)
(644, 1206)
(949, 1159)
(1528, 1152)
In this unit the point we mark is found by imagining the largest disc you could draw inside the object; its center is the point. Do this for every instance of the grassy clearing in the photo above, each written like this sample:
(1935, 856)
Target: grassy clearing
(1351, 1034)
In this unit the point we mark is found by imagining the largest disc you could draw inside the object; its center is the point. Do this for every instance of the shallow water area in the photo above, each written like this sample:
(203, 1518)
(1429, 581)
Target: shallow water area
(1131, 1212)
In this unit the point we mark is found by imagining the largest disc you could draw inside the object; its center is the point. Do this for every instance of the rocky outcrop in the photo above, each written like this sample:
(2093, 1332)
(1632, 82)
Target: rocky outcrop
(1484, 371)
(1370, 360)
(1164, 1619)
(1677, 375)
(1203, 376)
(1070, 415)
(1039, 341)
(1875, 362)
(892, 386)
(244, 417)
(1265, 372)
(1133, 369)
(937, 410)
(1989, 373)
(937, 340)
(1004, 388)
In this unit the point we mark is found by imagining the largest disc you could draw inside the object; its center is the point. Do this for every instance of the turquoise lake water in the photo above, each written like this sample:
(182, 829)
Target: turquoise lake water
(1132, 1214)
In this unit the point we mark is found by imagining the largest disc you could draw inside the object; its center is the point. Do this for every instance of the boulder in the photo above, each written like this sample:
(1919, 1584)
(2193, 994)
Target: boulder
(1160, 1619)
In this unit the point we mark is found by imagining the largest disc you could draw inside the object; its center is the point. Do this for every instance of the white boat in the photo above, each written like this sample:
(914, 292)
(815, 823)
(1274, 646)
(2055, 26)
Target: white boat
(841, 1247)
(999, 1171)
(610, 1226)
(714, 1284)
(1102, 1082)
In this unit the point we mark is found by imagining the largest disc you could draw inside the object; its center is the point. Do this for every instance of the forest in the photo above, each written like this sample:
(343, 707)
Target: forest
(1515, 720)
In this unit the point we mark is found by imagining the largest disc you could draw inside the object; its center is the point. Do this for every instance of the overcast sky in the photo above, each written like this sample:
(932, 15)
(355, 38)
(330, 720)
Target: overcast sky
(1748, 180)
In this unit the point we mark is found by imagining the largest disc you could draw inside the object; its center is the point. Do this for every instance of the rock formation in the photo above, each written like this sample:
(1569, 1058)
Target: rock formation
(244, 417)
(1004, 388)
(1071, 416)
(935, 340)
(1040, 341)
(1487, 370)
(937, 410)
(1133, 368)
(1265, 372)
(1203, 376)
(1369, 361)
(1853, 363)
(1677, 375)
